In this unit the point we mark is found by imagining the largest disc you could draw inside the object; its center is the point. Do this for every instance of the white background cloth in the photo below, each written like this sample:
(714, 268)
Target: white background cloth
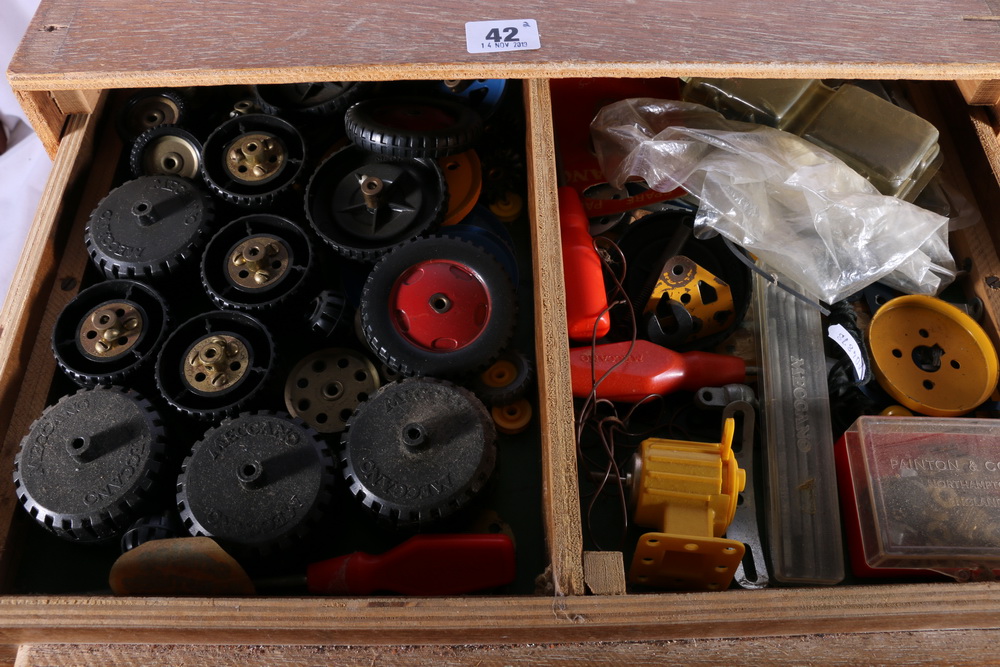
(25, 165)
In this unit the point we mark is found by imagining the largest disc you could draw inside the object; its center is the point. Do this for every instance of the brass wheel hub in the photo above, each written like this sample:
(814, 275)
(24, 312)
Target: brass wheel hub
(258, 262)
(255, 157)
(110, 330)
(171, 155)
(215, 363)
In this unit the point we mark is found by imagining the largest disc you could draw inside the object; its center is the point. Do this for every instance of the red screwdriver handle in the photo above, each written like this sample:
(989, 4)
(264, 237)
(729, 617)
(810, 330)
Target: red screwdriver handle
(586, 299)
(649, 369)
(422, 565)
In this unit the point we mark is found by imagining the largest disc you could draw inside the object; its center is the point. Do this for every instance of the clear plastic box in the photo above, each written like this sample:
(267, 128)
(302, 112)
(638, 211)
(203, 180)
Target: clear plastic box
(922, 493)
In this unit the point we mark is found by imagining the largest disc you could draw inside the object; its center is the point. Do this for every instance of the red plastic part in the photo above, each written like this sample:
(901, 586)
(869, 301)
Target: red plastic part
(586, 300)
(422, 565)
(649, 369)
(439, 305)
(575, 102)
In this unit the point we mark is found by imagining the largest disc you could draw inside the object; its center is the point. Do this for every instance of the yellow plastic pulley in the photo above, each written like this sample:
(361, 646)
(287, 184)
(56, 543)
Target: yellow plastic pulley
(690, 491)
(512, 418)
(931, 357)
(463, 174)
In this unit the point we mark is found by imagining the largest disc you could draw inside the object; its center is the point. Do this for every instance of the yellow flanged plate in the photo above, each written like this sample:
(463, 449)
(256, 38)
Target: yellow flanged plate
(931, 357)
(464, 175)
(685, 562)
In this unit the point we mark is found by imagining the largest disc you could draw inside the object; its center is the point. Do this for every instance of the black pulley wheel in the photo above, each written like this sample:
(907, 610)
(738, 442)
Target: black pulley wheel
(418, 451)
(166, 150)
(363, 205)
(308, 99)
(257, 483)
(413, 126)
(438, 306)
(91, 464)
(214, 364)
(148, 227)
(250, 160)
(257, 262)
(109, 331)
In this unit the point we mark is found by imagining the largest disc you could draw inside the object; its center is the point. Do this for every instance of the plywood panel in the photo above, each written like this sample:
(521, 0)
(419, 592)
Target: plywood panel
(108, 43)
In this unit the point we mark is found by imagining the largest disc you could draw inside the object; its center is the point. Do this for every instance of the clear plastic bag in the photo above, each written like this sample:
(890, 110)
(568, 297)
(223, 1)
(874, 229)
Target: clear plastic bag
(795, 206)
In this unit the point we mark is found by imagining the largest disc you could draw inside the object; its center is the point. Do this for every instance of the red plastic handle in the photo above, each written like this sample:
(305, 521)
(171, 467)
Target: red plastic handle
(422, 565)
(586, 300)
(649, 369)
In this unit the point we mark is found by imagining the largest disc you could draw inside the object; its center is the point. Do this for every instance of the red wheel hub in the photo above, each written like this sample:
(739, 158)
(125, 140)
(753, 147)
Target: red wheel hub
(439, 305)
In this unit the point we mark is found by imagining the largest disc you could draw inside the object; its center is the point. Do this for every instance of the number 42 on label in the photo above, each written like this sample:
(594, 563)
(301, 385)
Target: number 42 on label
(491, 36)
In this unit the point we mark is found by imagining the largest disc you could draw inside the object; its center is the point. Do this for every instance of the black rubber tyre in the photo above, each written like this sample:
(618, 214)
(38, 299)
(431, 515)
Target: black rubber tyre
(413, 126)
(308, 99)
(418, 452)
(153, 154)
(148, 109)
(241, 185)
(69, 335)
(289, 272)
(250, 376)
(413, 201)
(410, 352)
(92, 464)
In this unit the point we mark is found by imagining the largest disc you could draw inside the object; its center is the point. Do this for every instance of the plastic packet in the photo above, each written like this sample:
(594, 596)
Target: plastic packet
(795, 206)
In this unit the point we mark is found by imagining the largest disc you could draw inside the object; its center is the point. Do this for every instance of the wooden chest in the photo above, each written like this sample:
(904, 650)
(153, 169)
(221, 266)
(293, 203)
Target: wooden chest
(73, 53)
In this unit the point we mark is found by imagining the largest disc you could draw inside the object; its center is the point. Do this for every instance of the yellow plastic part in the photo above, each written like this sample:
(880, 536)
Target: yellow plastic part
(708, 298)
(463, 173)
(931, 357)
(512, 418)
(500, 374)
(508, 208)
(896, 411)
(689, 490)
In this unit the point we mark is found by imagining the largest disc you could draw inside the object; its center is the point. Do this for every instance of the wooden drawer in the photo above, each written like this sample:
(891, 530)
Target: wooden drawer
(66, 106)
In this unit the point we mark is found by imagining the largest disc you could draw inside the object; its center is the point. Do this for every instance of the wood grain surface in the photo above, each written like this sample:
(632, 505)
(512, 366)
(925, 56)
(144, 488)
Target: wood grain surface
(900, 649)
(500, 620)
(119, 43)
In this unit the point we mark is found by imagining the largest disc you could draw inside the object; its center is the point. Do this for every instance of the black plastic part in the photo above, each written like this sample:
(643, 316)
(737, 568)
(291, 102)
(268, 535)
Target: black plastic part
(252, 193)
(331, 314)
(148, 227)
(418, 451)
(644, 244)
(249, 331)
(289, 277)
(504, 394)
(413, 126)
(317, 99)
(140, 165)
(257, 483)
(393, 348)
(413, 201)
(91, 464)
(148, 109)
(163, 526)
(87, 370)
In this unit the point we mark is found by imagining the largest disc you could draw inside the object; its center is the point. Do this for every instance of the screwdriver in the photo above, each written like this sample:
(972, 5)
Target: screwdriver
(649, 369)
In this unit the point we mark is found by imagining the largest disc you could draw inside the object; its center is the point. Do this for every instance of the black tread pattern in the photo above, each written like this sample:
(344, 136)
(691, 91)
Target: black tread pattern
(403, 357)
(400, 514)
(366, 131)
(105, 521)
